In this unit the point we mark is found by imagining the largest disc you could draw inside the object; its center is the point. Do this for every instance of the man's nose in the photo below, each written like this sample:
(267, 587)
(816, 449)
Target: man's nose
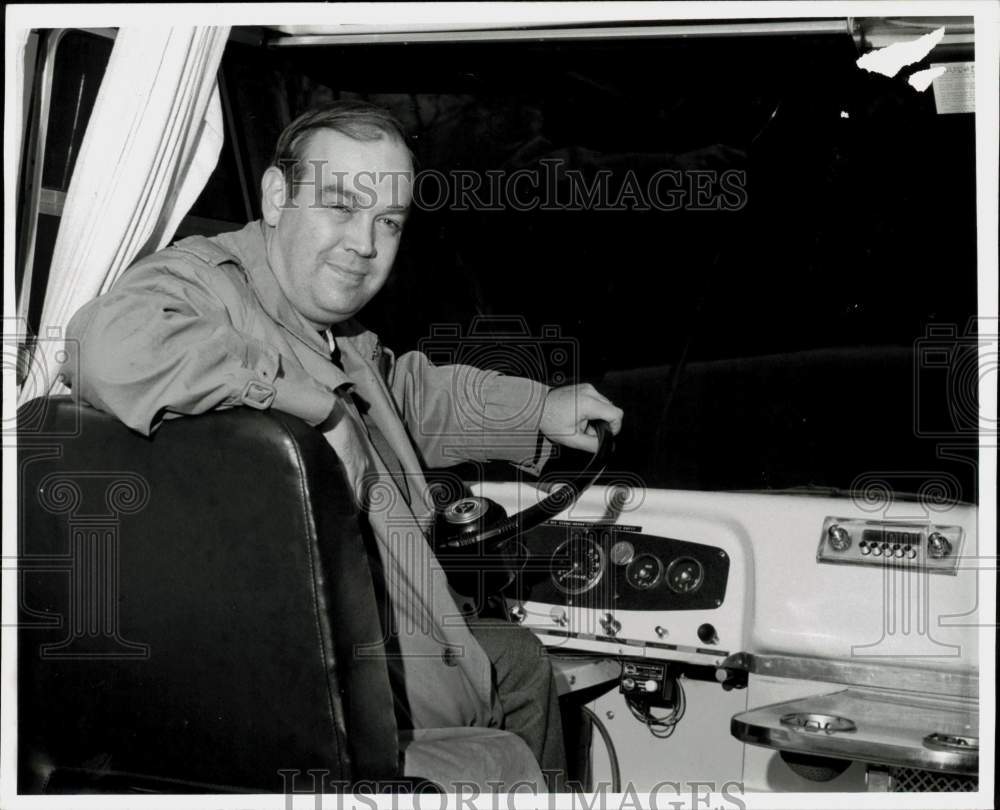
(361, 237)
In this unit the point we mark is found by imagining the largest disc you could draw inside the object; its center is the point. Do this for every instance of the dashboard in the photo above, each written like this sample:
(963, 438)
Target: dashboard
(694, 577)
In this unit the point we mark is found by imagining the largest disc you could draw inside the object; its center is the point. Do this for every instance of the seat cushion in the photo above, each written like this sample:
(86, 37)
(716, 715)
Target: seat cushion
(463, 760)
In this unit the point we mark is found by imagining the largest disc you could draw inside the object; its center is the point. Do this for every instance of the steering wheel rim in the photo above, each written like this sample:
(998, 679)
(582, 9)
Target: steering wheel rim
(550, 506)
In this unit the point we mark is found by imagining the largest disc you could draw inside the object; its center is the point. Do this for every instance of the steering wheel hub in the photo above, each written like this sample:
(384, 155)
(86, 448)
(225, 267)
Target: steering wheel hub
(466, 510)
(472, 534)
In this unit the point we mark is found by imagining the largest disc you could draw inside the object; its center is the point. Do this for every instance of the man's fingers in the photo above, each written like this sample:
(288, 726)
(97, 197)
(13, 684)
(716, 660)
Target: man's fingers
(568, 412)
(599, 407)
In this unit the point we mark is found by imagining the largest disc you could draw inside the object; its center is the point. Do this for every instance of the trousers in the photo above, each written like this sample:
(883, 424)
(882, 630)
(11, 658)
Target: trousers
(526, 688)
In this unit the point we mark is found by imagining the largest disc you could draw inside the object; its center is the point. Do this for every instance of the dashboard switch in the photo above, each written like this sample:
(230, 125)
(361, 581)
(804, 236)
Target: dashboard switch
(611, 625)
(707, 634)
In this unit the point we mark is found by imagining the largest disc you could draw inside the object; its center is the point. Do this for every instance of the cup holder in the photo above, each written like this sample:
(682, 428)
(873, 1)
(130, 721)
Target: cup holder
(818, 723)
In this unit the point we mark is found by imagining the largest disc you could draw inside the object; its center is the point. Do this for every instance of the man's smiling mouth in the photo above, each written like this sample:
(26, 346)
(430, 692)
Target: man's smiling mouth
(356, 276)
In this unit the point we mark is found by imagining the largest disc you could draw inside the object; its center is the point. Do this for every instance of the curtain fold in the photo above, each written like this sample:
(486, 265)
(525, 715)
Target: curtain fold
(153, 140)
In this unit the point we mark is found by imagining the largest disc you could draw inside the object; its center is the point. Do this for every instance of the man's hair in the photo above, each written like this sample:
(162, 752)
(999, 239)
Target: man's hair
(359, 120)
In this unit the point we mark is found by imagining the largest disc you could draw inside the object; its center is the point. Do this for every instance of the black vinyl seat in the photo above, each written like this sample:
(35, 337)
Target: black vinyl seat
(196, 610)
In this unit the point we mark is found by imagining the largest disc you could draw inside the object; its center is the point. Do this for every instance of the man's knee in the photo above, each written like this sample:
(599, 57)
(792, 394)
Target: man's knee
(515, 651)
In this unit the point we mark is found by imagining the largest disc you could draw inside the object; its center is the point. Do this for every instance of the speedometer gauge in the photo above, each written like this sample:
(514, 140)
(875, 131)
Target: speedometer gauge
(577, 564)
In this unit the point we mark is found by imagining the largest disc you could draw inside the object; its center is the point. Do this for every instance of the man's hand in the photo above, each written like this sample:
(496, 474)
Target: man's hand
(568, 410)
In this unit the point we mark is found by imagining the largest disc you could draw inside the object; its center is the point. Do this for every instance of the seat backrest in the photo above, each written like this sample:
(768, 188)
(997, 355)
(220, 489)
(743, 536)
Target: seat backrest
(196, 609)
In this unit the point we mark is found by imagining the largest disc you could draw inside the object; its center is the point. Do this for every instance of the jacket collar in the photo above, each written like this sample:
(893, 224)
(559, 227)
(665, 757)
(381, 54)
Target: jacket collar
(249, 247)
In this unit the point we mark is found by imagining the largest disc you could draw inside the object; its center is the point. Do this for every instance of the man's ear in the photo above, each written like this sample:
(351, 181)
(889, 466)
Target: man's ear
(272, 195)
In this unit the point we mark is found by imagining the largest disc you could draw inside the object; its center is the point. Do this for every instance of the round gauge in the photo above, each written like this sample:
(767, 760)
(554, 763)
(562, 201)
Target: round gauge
(685, 575)
(644, 572)
(622, 552)
(577, 564)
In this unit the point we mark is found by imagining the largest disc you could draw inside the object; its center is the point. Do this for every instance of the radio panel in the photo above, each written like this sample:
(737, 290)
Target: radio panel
(926, 547)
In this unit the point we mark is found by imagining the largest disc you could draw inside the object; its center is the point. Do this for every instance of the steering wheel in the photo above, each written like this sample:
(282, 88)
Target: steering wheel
(473, 532)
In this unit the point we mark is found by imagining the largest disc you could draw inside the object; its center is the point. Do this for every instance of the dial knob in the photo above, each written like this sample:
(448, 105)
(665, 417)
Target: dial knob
(840, 539)
(938, 545)
(518, 613)
(610, 624)
(628, 683)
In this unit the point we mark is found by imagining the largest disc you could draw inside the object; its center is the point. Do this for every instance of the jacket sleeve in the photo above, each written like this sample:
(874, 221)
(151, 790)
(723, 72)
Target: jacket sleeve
(460, 413)
(163, 343)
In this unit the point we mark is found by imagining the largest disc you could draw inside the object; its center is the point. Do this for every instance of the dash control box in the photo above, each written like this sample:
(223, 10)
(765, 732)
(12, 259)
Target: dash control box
(647, 681)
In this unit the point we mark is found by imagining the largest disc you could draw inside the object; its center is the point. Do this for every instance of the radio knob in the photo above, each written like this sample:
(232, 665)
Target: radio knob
(876, 551)
(628, 683)
(650, 685)
(864, 548)
(840, 539)
(938, 545)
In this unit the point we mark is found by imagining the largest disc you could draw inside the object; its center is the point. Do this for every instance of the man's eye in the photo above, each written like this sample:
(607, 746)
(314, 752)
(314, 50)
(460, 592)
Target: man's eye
(345, 209)
(393, 225)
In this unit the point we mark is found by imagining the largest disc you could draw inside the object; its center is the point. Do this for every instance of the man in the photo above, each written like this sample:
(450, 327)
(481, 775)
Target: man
(263, 317)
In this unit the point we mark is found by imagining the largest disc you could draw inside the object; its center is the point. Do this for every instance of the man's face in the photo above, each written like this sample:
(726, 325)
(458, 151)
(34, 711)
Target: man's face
(332, 249)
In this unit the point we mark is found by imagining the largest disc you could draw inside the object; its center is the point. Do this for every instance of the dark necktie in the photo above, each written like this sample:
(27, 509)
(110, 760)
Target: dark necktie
(377, 438)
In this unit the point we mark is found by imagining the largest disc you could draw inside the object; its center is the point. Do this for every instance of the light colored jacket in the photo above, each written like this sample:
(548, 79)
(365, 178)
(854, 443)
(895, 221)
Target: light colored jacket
(204, 325)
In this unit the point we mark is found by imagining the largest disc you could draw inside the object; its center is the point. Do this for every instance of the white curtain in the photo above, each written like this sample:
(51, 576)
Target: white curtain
(152, 142)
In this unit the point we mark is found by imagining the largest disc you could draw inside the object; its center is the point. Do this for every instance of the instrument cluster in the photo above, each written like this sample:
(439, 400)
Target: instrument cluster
(611, 566)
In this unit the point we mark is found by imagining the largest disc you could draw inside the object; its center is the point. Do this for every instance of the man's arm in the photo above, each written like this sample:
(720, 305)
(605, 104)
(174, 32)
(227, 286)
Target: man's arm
(457, 413)
(460, 413)
(163, 342)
